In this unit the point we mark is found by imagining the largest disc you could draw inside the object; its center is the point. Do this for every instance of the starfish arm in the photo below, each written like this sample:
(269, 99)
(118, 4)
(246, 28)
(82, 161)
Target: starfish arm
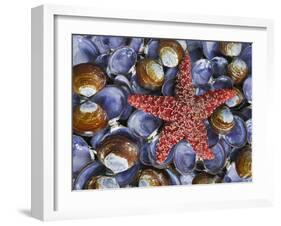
(184, 86)
(159, 106)
(209, 101)
(170, 135)
(198, 139)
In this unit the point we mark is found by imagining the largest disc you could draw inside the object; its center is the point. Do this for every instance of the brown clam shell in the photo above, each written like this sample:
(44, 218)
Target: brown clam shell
(88, 79)
(87, 120)
(243, 162)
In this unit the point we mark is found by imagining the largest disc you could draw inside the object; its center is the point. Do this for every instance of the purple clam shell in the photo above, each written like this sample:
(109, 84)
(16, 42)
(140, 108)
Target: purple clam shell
(112, 99)
(219, 65)
(223, 82)
(212, 136)
(245, 113)
(93, 169)
(174, 179)
(102, 60)
(237, 137)
(184, 157)
(122, 80)
(249, 130)
(202, 71)
(107, 43)
(143, 124)
(246, 55)
(136, 88)
(171, 73)
(122, 60)
(168, 88)
(187, 179)
(126, 177)
(75, 100)
(151, 49)
(247, 89)
(137, 44)
(84, 50)
(210, 49)
(144, 154)
(200, 90)
(215, 165)
(194, 50)
(80, 153)
(98, 137)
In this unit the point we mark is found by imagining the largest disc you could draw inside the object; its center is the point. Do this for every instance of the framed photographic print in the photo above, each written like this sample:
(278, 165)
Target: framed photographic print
(139, 114)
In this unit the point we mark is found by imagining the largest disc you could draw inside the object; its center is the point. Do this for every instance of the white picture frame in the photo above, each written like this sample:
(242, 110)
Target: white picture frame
(52, 197)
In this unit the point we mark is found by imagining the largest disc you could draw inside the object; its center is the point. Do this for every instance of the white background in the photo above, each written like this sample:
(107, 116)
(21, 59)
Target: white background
(15, 113)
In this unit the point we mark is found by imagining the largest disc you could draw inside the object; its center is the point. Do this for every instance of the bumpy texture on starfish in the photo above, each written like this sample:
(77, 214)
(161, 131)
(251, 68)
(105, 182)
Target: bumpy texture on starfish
(184, 113)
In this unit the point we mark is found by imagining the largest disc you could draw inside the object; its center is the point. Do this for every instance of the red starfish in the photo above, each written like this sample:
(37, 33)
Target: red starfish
(184, 113)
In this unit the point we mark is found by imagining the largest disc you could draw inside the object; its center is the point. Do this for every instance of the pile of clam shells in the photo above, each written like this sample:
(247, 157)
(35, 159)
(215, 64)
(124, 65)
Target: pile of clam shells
(114, 145)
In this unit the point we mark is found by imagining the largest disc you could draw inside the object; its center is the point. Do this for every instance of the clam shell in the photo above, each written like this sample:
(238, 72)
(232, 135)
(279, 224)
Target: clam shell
(122, 61)
(237, 70)
(168, 88)
(205, 178)
(102, 182)
(88, 118)
(246, 56)
(107, 43)
(222, 82)
(112, 99)
(237, 137)
(80, 153)
(216, 165)
(210, 49)
(152, 155)
(184, 157)
(231, 49)
(150, 74)
(170, 53)
(243, 162)
(151, 49)
(202, 71)
(195, 50)
(84, 50)
(118, 153)
(143, 124)
(153, 177)
(88, 79)
(237, 100)
(249, 130)
(219, 66)
(128, 176)
(231, 175)
(222, 120)
(93, 169)
(171, 73)
(247, 88)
